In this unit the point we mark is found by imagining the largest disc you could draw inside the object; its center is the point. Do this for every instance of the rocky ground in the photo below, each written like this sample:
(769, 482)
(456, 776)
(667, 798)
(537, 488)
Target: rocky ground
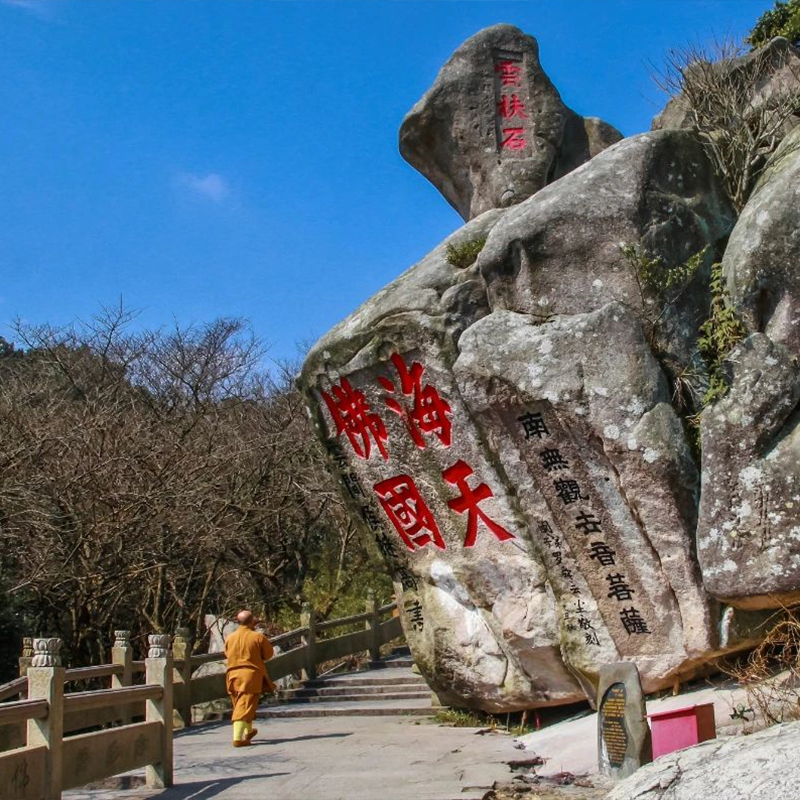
(570, 788)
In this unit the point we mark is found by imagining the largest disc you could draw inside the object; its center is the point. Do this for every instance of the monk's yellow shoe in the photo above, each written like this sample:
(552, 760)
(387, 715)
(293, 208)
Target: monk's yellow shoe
(251, 734)
(242, 743)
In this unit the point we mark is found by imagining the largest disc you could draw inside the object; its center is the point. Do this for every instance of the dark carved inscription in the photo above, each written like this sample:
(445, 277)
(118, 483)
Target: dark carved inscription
(20, 778)
(140, 746)
(564, 483)
(113, 753)
(614, 732)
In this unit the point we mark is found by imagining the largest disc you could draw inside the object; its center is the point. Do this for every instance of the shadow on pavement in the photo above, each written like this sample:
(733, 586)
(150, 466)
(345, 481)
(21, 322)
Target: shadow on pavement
(200, 728)
(202, 790)
(307, 738)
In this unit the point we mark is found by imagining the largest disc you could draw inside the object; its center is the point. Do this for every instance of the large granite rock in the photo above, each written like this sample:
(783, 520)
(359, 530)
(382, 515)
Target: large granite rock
(749, 529)
(606, 486)
(763, 766)
(477, 608)
(493, 130)
(559, 251)
(505, 432)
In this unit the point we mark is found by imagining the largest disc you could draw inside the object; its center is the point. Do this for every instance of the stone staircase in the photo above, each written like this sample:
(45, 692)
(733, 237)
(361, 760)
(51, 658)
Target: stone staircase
(388, 687)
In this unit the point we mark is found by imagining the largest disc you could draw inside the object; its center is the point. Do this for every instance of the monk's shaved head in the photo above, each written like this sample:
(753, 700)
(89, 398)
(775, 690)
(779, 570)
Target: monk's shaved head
(245, 617)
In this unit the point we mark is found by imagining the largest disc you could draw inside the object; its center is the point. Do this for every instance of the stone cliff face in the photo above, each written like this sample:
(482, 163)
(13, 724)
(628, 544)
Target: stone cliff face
(749, 531)
(507, 430)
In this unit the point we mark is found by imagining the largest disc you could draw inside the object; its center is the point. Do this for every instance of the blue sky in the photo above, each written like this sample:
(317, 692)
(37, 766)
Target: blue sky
(218, 158)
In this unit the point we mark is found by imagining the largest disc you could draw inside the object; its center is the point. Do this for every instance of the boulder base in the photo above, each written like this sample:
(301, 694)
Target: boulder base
(763, 766)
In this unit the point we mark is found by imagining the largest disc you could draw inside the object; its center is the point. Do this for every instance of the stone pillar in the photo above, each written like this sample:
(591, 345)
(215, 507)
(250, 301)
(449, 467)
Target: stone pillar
(27, 655)
(158, 670)
(623, 735)
(373, 626)
(182, 676)
(46, 682)
(308, 620)
(122, 654)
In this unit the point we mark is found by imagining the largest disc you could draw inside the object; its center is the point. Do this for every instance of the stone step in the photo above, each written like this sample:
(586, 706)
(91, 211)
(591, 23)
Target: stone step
(363, 698)
(359, 708)
(395, 661)
(364, 679)
(354, 689)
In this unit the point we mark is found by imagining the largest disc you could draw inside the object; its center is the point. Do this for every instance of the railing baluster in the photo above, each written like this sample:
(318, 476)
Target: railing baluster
(372, 625)
(46, 682)
(27, 655)
(182, 655)
(122, 654)
(159, 671)
(308, 620)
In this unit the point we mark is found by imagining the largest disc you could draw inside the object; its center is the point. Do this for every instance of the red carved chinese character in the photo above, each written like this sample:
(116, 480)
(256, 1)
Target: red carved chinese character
(429, 413)
(468, 501)
(514, 138)
(351, 413)
(509, 107)
(508, 72)
(408, 512)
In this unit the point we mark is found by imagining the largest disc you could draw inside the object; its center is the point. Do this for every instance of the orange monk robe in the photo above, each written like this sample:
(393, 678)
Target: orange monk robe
(246, 679)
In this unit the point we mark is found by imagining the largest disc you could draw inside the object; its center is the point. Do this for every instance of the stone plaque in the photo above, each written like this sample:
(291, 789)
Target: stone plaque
(623, 735)
(612, 724)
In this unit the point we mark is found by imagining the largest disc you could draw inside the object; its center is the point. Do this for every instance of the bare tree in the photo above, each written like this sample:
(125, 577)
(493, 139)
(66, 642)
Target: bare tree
(150, 477)
(740, 106)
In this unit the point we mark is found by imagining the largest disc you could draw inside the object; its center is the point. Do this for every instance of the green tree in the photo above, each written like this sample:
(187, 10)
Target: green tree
(782, 20)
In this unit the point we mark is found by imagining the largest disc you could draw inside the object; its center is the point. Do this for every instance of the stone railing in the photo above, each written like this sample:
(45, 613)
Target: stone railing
(49, 762)
(301, 651)
(38, 759)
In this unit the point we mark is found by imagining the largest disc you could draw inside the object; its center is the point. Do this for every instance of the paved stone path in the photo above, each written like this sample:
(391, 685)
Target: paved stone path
(332, 758)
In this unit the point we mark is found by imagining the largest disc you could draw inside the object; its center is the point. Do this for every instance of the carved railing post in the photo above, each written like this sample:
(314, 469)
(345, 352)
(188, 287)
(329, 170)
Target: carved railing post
(27, 655)
(182, 654)
(308, 620)
(46, 682)
(158, 670)
(373, 626)
(122, 654)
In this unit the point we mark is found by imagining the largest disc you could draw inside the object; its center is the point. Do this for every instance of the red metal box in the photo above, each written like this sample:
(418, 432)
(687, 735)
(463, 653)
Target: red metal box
(682, 727)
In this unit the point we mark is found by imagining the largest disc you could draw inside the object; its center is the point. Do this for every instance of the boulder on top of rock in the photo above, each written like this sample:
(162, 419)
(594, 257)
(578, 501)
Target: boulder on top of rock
(493, 130)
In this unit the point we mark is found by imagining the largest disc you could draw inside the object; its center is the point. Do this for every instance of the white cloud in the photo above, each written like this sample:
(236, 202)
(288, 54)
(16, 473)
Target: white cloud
(39, 8)
(211, 186)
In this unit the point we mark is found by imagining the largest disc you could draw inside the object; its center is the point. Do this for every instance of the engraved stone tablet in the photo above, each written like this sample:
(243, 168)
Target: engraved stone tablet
(623, 736)
(612, 725)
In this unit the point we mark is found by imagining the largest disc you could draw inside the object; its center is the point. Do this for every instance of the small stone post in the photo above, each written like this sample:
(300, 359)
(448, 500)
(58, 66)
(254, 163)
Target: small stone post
(46, 682)
(158, 670)
(182, 654)
(27, 655)
(308, 620)
(122, 654)
(373, 626)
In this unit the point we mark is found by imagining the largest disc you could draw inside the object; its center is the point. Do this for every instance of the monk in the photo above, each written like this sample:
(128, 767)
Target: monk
(246, 679)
